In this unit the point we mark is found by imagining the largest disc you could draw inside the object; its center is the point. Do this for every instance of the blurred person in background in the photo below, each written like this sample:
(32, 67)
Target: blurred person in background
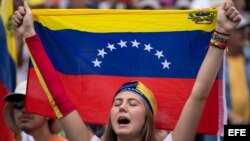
(119, 4)
(149, 4)
(182, 4)
(76, 4)
(167, 4)
(238, 84)
(18, 120)
(205, 3)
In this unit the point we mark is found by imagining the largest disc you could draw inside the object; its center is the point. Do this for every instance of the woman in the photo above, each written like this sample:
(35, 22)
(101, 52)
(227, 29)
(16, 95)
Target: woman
(134, 107)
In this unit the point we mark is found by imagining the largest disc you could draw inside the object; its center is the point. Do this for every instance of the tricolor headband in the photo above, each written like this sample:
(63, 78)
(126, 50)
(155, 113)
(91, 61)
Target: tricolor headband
(144, 92)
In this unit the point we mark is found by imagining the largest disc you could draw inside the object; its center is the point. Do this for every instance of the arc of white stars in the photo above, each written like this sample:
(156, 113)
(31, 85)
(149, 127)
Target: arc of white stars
(122, 43)
(101, 52)
(135, 43)
(147, 47)
(111, 47)
(97, 63)
(165, 64)
(159, 54)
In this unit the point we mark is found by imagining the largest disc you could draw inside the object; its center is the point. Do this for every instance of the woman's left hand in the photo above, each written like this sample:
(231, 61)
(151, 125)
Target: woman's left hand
(228, 17)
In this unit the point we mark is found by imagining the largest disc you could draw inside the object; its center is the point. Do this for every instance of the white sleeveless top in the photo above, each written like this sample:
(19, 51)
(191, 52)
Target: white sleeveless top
(167, 138)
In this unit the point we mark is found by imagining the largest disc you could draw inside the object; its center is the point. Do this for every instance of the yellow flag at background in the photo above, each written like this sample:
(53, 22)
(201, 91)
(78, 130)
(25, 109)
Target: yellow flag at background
(6, 11)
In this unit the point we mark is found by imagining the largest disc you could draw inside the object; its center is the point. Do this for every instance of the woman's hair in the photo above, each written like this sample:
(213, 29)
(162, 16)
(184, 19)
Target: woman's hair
(110, 134)
(147, 133)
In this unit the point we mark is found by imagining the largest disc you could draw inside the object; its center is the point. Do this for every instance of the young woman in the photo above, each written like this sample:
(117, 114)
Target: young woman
(134, 107)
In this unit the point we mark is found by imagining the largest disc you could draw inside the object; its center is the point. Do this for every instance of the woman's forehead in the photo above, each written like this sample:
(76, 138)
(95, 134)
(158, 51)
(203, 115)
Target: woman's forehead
(127, 95)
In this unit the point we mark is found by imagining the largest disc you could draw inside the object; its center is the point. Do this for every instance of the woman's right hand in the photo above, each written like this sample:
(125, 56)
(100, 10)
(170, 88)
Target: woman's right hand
(22, 21)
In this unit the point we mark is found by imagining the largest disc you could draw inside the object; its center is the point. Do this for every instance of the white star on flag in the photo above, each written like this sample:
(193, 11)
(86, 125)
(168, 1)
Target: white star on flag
(159, 54)
(147, 47)
(97, 63)
(101, 52)
(166, 64)
(123, 43)
(135, 43)
(111, 47)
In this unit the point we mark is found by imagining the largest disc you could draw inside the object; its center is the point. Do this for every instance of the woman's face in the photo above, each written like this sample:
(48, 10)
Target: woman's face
(128, 114)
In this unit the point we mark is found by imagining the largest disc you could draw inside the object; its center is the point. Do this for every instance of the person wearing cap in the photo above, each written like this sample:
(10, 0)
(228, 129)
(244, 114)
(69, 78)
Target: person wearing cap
(134, 106)
(39, 127)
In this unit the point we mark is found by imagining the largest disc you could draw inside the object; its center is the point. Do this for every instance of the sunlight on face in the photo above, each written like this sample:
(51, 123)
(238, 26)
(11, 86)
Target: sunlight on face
(128, 114)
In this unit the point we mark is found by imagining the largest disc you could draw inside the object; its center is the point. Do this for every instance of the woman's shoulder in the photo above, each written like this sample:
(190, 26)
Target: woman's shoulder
(168, 137)
(161, 134)
(95, 138)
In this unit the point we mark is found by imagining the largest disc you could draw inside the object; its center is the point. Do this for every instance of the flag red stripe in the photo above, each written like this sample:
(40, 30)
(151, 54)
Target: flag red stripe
(6, 133)
(94, 103)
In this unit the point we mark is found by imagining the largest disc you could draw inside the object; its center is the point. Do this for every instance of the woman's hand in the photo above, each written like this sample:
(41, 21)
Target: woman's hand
(22, 21)
(228, 17)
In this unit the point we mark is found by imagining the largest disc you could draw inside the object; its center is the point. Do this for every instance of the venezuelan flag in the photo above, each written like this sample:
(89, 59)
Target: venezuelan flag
(8, 55)
(95, 51)
(7, 62)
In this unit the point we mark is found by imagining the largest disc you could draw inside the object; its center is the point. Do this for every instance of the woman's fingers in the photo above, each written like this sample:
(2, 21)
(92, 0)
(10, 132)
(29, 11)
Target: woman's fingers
(17, 18)
(228, 5)
(21, 10)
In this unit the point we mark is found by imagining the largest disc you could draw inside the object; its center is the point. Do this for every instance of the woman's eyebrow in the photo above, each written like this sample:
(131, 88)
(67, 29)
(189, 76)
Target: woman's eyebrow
(134, 99)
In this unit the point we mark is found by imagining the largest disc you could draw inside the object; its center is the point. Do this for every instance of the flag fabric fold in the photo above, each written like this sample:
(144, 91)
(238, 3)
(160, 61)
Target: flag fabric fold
(95, 51)
(8, 55)
(8, 61)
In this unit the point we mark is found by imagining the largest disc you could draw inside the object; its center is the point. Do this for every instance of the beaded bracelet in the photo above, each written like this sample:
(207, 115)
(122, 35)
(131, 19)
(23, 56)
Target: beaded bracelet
(225, 34)
(219, 45)
(218, 38)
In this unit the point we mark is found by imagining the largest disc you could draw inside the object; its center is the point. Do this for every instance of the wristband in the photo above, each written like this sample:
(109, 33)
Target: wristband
(219, 45)
(225, 34)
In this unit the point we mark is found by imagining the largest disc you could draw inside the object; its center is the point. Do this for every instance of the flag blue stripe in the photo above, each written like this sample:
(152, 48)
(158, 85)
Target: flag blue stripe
(73, 52)
(7, 65)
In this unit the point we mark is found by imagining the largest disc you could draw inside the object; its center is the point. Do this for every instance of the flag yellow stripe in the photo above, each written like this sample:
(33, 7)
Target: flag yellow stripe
(101, 21)
(6, 14)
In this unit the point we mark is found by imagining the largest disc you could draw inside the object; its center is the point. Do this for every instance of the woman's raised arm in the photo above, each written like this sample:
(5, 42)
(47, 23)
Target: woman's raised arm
(227, 19)
(71, 121)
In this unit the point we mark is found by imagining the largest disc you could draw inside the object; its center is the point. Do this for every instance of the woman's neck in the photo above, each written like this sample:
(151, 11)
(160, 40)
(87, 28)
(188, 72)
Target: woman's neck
(128, 138)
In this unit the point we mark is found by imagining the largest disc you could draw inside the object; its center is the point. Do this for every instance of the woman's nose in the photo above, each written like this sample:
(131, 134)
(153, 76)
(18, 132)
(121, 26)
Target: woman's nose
(123, 108)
